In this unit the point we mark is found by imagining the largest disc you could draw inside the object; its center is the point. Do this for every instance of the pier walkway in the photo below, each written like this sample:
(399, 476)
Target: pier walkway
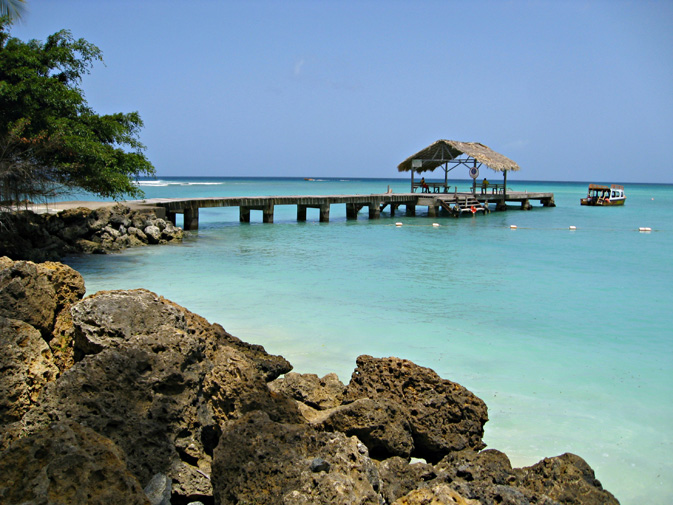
(452, 203)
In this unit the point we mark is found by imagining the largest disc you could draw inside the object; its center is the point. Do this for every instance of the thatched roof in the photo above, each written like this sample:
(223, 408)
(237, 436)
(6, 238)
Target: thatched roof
(444, 151)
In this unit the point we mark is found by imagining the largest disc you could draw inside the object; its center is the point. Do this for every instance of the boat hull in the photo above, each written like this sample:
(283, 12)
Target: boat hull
(604, 203)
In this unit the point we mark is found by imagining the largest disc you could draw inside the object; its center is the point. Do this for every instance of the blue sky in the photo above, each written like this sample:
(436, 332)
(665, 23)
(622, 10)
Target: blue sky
(570, 90)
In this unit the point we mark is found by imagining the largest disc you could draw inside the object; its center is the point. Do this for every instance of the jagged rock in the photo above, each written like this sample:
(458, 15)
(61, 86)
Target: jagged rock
(26, 365)
(89, 246)
(169, 231)
(20, 231)
(40, 237)
(490, 466)
(270, 366)
(112, 232)
(73, 232)
(440, 494)
(192, 481)
(319, 465)
(160, 386)
(133, 231)
(318, 393)
(261, 461)
(233, 386)
(567, 479)
(28, 296)
(135, 241)
(68, 284)
(399, 477)
(62, 341)
(381, 425)
(110, 318)
(443, 415)
(37, 293)
(123, 242)
(40, 295)
(96, 219)
(487, 477)
(158, 490)
(153, 234)
(111, 392)
(121, 216)
(67, 463)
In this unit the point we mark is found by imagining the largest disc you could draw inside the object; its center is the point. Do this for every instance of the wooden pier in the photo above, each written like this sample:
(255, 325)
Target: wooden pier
(452, 203)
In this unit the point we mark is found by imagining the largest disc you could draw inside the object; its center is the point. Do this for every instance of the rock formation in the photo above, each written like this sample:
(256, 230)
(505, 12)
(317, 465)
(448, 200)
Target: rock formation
(41, 237)
(67, 463)
(154, 402)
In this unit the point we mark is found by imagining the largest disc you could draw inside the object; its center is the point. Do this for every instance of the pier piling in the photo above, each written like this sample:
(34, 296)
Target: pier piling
(354, 203)
(191, 218)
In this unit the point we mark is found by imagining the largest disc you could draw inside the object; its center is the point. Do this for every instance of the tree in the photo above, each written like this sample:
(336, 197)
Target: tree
(12, 8)
(50, 139)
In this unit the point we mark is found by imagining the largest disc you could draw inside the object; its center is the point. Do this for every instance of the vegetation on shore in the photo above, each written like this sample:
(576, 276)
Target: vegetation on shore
(51, 140)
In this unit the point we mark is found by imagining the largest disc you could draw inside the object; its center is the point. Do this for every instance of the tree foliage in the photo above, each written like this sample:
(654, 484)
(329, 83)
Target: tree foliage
(50, 139)
(12, 8)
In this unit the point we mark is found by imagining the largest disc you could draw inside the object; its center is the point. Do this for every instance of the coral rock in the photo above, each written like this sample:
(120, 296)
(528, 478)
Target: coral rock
(444, 416)
(67, 463)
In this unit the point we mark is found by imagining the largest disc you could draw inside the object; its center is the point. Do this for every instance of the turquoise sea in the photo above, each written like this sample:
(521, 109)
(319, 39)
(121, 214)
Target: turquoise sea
(565, 334)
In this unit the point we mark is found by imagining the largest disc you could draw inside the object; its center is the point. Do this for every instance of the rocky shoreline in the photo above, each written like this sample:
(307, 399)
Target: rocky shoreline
(27, 235)
(126, 397)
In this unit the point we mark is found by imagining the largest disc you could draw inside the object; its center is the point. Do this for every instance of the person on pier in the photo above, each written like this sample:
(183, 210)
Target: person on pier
(424, 186)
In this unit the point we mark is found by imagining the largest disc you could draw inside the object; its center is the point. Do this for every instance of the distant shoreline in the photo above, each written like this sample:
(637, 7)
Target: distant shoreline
(318, 178)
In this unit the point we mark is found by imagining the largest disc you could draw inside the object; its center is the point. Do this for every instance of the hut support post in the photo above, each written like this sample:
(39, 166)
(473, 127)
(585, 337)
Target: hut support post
(474, 179)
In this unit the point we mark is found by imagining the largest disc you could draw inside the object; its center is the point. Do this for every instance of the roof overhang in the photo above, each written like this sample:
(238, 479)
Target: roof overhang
(452, 151)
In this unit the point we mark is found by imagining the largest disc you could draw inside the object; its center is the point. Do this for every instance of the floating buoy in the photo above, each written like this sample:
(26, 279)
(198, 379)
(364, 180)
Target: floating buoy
(398, 224)
(643, 228)
(512, 227)
(436, 225)
(572, 228)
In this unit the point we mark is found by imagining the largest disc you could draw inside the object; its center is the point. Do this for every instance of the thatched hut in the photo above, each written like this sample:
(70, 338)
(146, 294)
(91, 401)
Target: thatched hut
(450, 153)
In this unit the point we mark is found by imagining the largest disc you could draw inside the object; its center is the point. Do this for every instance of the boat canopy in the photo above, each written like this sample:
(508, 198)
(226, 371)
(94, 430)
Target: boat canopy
(598, 187)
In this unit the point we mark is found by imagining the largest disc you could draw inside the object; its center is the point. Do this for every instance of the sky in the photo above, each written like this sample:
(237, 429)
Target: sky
(571, 90)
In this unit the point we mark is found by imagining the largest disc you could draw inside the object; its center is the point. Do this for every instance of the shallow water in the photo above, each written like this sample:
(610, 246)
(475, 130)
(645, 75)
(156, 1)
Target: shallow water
(564, 334)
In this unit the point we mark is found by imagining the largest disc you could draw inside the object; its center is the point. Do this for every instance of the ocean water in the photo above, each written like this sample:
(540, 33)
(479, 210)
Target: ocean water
(565, 334)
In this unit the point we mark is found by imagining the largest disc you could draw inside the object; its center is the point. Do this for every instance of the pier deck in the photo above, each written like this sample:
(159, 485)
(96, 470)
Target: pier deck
(354, 203)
